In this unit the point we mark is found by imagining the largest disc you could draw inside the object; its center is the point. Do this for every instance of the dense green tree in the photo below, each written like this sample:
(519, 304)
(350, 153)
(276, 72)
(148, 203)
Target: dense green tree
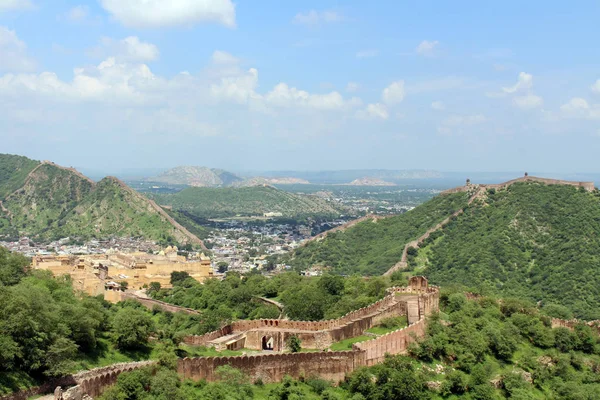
(131, 329)
(13, 267)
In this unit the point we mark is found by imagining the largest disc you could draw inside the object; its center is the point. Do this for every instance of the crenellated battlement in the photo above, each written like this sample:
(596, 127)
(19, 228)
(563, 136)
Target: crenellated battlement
(588, 186)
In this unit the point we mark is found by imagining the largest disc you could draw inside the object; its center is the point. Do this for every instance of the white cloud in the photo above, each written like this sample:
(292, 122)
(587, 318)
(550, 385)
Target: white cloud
(352, 87)
(223, 57)
(394, 93)
(374, 111)
(109, 81)
(580, 108)
(7, 5)
(284, 96)
(130, 49)
(438, 106)
(78, 13)
(367, 53)
(162, 13)
(13, 53)
(427, 47)
(313, 17)
(528, 101)
(239, 88)
(596, 86)
(525, 81)
(521, 93)
(575, 104)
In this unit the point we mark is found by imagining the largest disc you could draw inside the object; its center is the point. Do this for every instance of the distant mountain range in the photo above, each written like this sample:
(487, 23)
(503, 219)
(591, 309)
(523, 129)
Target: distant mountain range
(211, 177)
(371, 182)
(45, 201)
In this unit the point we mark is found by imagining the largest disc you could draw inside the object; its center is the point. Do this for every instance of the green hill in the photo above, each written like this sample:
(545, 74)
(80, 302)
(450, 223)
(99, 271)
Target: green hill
(246, 201)
(372, 247)
(45, 201)
(529, 240)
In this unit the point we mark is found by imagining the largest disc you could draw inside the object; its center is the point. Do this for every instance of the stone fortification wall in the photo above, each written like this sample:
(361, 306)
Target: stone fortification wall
(350, 325)
(202, 340)
(151, 303)
(403, 263)
(393, 343)
(273, 367)
(244, 325)
(92, 382)
(328, 365)
(95, 381)
(589, 186)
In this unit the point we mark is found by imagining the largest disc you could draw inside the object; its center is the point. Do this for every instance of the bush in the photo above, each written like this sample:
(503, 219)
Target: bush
(293, 343)
(318, 385)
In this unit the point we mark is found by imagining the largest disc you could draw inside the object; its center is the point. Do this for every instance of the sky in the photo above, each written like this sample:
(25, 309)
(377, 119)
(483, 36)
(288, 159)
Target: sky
(302, 85)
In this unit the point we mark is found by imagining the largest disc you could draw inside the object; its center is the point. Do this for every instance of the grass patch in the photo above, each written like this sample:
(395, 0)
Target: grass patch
(14, 381)
(389, 325)
(380, 330)
(309, 350)
(106, 354)
(347, 344)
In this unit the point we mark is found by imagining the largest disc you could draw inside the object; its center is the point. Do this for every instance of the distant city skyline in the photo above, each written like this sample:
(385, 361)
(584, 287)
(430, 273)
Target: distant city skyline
(113, 85)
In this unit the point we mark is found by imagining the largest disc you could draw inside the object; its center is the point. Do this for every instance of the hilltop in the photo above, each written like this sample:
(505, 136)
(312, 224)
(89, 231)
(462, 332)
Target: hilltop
(45, 201)
(197, 177)
(531, 238)
(246, 201)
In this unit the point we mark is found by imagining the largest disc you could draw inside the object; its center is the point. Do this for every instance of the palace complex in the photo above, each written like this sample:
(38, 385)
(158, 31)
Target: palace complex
(110, 273)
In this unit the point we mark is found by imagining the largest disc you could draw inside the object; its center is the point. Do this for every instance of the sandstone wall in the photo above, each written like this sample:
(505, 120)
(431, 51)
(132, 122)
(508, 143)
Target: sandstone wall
(202, 340)
(151, 303)
(273, 367)
(95, 381)
(92, 382)
(393, 343)
(589, 186)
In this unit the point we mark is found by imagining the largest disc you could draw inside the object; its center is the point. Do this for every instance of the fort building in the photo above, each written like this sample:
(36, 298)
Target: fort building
(112, 272)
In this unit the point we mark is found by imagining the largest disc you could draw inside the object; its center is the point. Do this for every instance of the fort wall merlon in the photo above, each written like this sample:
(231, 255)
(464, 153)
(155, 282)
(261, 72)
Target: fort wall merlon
(589, 186)
(151, 303)
(92, 382)
(274, 367)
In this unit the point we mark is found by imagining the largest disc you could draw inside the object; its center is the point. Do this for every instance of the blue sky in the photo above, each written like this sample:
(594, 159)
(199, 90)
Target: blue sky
(249, 85)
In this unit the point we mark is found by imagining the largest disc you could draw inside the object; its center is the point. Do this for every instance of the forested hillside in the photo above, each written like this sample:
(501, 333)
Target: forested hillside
(372, 247)
(540, 242)
(45, 201)
(246, 201)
